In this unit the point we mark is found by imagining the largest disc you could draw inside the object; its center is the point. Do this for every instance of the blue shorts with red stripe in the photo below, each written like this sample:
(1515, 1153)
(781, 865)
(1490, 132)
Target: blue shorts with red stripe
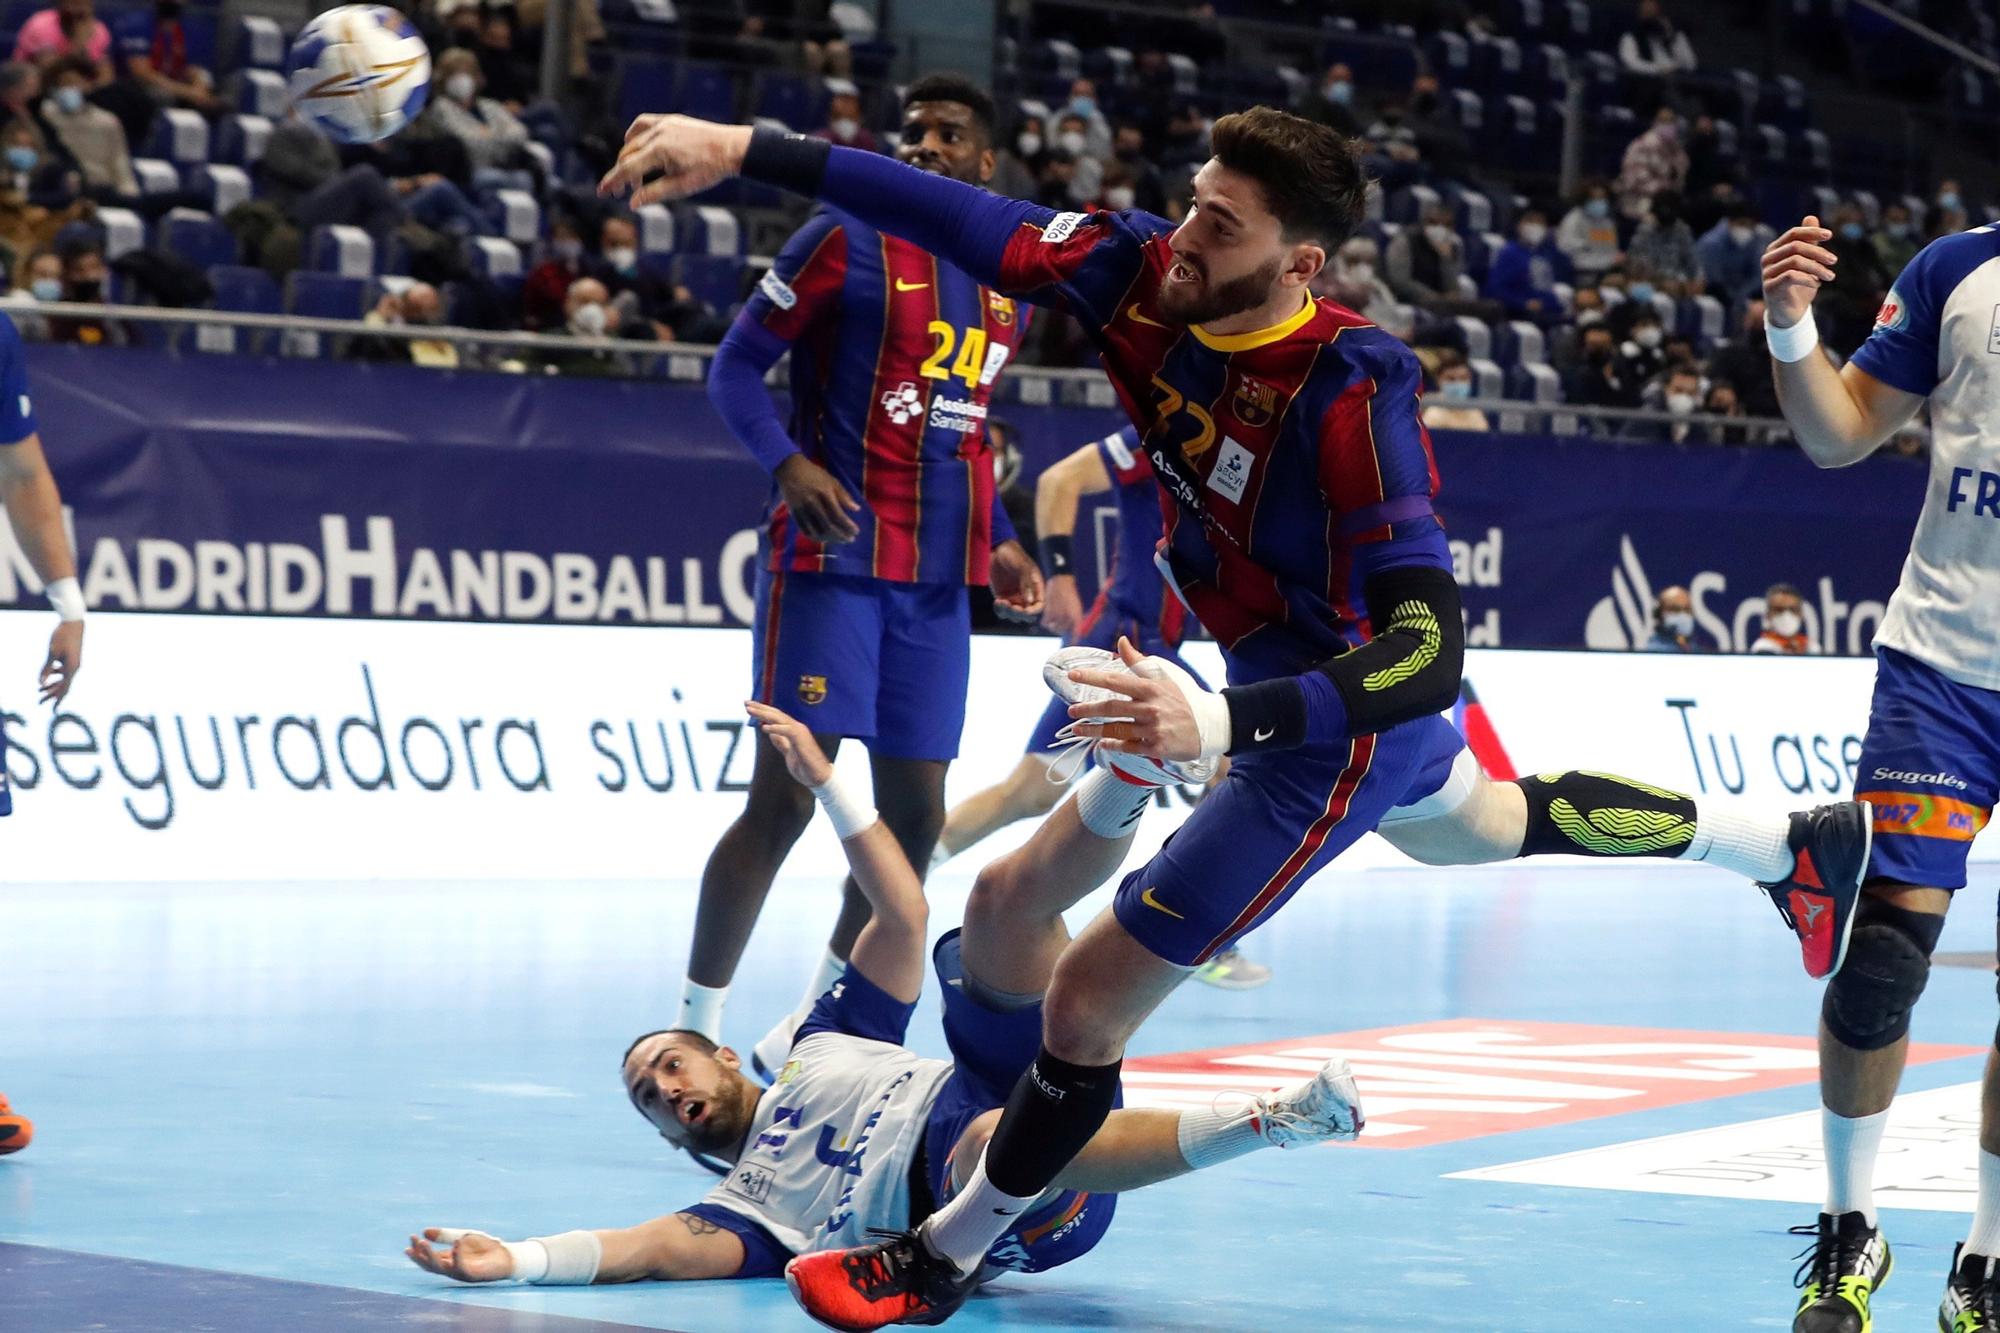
(1272, 823)
(1101, 628)
(990, 1050)
(1931, 768)
(885, 663)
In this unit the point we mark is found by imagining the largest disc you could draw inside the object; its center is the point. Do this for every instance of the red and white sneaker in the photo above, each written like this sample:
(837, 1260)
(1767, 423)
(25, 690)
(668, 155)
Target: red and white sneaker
(1080, 743)
(1830, 859)
(897, 1280)
(1324, 1108)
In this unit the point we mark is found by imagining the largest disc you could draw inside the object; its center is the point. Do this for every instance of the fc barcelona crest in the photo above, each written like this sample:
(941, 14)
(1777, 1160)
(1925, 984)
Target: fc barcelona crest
(1255, 402)
(812, 689)
(1002, 308)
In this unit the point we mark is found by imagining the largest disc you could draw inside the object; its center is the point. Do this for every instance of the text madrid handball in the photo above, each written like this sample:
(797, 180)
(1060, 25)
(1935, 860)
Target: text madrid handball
(162, 759)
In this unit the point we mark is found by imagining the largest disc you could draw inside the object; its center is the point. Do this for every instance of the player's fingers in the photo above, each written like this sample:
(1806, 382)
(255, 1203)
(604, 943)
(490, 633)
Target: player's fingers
(1131, 655)
(1787, 250)
(1800, 265)
(641, 124)
(1118, 682)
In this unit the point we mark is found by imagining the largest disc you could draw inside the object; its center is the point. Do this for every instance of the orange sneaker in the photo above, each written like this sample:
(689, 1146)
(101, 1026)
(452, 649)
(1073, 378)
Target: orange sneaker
(897, 1280)
(16, 1131)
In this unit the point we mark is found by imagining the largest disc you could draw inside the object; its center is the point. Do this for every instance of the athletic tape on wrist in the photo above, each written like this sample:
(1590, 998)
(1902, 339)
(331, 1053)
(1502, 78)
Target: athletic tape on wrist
(569, 1259)
(66, 596)
(1795, 343)
(849, 814)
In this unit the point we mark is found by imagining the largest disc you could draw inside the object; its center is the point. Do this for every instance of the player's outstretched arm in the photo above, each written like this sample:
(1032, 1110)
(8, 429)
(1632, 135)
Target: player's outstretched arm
(890, 948)
(28, 493)
(1057, 492)
(677, 1247)
(1840, 416)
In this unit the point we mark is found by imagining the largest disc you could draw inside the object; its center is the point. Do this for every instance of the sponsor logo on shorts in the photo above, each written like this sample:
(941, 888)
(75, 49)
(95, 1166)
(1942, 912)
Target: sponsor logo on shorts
(1935, 779)
(1925, 815)
(778, 291)
(1152, 900)
(812, 689)
(1061, 227)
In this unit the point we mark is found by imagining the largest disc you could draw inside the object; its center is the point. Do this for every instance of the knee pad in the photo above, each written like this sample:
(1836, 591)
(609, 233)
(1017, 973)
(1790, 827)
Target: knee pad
(1868, 1002)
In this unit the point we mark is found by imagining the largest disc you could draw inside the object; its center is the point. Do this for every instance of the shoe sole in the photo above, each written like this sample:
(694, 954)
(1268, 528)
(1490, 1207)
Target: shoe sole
(1860, 876)
(792, 1285)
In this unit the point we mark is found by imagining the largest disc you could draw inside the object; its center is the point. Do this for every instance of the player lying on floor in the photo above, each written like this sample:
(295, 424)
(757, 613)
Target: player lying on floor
(859, 1132)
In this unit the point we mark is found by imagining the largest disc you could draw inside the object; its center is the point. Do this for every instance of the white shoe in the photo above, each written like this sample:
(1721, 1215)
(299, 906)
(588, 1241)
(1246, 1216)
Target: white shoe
(768, 1056)
(1325, 1108)
(1082, 742)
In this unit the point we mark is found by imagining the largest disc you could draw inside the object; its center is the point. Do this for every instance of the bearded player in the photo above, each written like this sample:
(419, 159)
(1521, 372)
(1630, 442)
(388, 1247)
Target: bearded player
(859, 1132)
(1297, 486)
(883, 511)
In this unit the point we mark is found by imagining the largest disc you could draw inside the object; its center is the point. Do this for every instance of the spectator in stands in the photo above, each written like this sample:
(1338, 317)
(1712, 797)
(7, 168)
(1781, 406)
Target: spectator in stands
(37, 281)
(587, 313)
(415, 305)
(1846, 309)
(1083, 104)
(1653, 162)
(545, 293)
(1354, 279)
(1731, 255)
(1711, 172)
(1119, 191)
(1653, 48)
(1602, 379)
(20, 90)
(1723, 401)
(1524, 274)
(84, 274)
(1332, 102)
(1950, 215)
(843, 118)
(1566, 346)
(648, 302)
(1454, 382)
(33, 174)
(805, 27)
(1128, 149)
(495, 141)
(91, 136)
(1679, 395)
(1896, 244)
(1662, 250)
(1673, 625)
(1745, 361)
(301, 175)
(1017, 167)
(510, 80)
(69, 28)
(1588, 233)
(1643, 353)
(1058, 178)
(1425, 263)
(1185, 143)
(1784, 623)
(153, 46)
(1442, 141)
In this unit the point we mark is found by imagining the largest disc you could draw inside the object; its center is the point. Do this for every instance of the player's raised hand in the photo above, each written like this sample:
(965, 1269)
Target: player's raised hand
(1152, 716)
(818, 501)
(463, 1256)
(1795, 266)
(1016, 581)
(671, 157)
(804, 760)
(65, 660)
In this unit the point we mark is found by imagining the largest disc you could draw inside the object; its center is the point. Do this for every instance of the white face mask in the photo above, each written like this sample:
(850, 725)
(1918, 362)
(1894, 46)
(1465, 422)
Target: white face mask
(1680, 404)
(1456, 390)
(1677, 622)
(1533, 233)
(1029, 144)
(1072, 142)
(1119, 197)
(1361, 271)
(622, 257)
(845, 128)
(1786, 623)
(69, 100)
(1650, 336)
(1438, 236)
(460, 87)
(46, 289)
(1742, 235)
(589, 321)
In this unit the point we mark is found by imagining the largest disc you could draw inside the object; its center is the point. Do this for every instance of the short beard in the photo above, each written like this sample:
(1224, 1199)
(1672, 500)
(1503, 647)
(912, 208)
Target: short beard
(1230, 299)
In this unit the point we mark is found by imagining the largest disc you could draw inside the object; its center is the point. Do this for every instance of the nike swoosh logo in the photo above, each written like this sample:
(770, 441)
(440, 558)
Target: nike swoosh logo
(1158, 906)
(1263, 734)
(902, 286)
(1132, 313)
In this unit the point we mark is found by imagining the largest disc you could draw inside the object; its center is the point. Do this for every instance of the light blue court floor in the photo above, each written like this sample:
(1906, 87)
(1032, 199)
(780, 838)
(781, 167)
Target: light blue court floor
(247, 1097)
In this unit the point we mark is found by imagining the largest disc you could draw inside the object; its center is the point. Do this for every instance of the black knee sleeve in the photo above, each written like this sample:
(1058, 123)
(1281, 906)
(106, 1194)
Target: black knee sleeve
(1868, 1002)
(1053, 1112)
(1596, 814)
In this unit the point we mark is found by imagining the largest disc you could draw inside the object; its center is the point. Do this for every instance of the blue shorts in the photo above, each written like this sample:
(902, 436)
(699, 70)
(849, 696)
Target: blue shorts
(1100, 629)
(6, 784)
(1270, 825)
(990, 1051)
(885, 663)
(1931, 768)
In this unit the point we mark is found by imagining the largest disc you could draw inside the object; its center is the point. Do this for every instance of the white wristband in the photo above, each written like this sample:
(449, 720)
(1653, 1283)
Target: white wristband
(849, 814)
(66, 596)
(1211, 720)
(1795, 343)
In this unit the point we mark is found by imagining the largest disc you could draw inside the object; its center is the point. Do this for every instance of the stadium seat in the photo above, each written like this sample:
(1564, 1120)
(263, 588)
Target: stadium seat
(1700, 318)
(1548, 72)
(155, 176)
(1571, 23)
(347, 251)
(1520, 342)
(1054, 57)
(1534, 383)
(716, 279)
(240, 140)
(178, 136)
(1471, 210)
(521, 215)
(1187, 75)
(1770, 142)
(1496, 66)
(260, 44)
(1468, 109)
(1476, 337)
(220, 186)
(198, 238)
(1407, 205)
(244, 290)
(1488, 380)
(706, 229)
(492, 257)
(656, 230)
(645, 84)
(1450, 56)
(706, 92)
(792, 101)
(1814, 152)
(258, 92)
(123, 231)
(325, 295)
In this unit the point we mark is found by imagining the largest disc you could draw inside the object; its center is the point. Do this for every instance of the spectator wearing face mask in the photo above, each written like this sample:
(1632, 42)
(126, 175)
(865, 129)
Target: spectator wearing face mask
(1745, 361)
(1784, 623)
(545, 292)
(648, 302)
(84, 273)
(1096, 130)
(1425, 263)
(37, 281)
(587, 313)
(1118, 192)
(1331, 103)
(1722, 401)
(1654, 162)
(1643, 353)
(1588, 233)
(1896, 244)
(415, 305)
(91, 136)
(843, 119)
(1524, 274)
(1603, 377)
(30, 173)
(1017, 167)
(1950, 216)
(1845, 309)
(1354, 279)
(1662, 252)
(1673, 625)
(1731, 255)
(495, 141)
(510, 80)
(1677, 393)
(1128, 150)
(1454, 386)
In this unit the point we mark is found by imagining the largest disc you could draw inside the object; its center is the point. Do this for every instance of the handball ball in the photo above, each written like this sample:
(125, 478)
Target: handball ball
(359, 73)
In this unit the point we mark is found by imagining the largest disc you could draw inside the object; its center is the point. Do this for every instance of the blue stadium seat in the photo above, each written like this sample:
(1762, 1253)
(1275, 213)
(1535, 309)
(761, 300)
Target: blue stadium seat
(242, 288)
(1497, 66)
(325, 295)
(239, 140)
(258, 92)
(705, 229)
(707, 92)
(178, 136)
(259, 44)
(644, 85)
(197, 238)
(716, 279)
(348, 251)
(791, 99)
(220, 186)
(1450, 56)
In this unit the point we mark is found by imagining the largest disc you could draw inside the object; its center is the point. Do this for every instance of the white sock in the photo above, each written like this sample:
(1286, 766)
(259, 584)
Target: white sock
(701, 1010)
(1985, 1237)
(964, 1230)
(1751, 845)
(1108, 805)
(1211, 1136)
(831, 966)
(1851, 1145)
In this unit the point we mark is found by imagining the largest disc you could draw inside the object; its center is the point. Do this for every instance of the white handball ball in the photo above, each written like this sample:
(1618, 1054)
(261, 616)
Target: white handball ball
(359, 73)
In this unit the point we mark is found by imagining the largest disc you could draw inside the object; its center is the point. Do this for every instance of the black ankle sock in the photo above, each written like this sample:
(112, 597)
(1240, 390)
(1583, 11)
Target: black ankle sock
(1053, 1111)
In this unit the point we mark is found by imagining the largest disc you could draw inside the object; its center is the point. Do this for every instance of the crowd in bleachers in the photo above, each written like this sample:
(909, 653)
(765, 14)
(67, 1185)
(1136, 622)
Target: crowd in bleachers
(148, 156)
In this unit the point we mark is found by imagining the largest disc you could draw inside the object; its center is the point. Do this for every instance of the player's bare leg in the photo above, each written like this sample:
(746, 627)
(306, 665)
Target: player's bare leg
(1810, 863)
(1025, 793)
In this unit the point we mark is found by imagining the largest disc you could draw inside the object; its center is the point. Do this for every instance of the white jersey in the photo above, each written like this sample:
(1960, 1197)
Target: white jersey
(1938, 334)
(833, 1140)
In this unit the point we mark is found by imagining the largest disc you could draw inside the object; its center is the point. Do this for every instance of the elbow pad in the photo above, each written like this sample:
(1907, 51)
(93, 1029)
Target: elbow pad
(1411, 667)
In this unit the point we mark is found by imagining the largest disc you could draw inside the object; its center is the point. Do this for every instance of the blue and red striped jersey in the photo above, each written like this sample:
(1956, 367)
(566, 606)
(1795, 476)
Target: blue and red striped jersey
(1134, 589)
(1292, 460)
(894, 358)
